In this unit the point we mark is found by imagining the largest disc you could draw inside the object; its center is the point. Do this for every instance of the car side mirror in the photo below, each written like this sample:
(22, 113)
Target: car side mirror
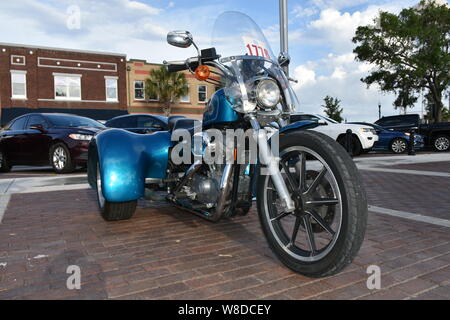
(38, 127)
(322, 122)
(180, 39)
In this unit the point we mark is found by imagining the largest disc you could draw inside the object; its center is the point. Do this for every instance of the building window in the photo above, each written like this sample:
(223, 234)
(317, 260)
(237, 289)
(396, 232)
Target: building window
(139, 91)
(202, 94)
(18, 84)
(111, 89)
(186, 98)
(67, 86)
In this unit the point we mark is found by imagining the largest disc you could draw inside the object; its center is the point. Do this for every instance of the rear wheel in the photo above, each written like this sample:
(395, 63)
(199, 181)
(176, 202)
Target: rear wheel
(113, 211)
(4, 163)
(61, 159)
(398, 145)
(441, 143)
(327, 228)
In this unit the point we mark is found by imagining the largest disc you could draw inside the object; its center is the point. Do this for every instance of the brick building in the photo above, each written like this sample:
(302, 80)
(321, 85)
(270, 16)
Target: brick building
(192, 105)
(39, 79)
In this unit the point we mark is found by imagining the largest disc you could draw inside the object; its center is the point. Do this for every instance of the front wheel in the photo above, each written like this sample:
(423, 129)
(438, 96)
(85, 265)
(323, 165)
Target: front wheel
(398, 145)
(61, 159)
(327, 228)
(441, 143)
(113, 211)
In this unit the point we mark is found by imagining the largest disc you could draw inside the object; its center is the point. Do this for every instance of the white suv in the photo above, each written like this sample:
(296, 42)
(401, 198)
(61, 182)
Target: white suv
(364, 137)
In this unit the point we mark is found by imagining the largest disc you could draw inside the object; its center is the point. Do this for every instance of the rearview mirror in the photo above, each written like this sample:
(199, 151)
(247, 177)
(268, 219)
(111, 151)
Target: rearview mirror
(180, 39)
(322, 122)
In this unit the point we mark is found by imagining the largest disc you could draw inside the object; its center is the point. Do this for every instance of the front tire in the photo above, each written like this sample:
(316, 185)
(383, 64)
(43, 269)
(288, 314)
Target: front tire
(357, 149)
(398, 145)
(325, 232)
(61, 159)
(441, 143)
(113, 211)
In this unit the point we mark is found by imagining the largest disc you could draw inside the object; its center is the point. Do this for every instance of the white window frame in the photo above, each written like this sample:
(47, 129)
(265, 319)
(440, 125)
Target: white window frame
(67, 75)
(198, 93)
(188, 96)
(143, 88)
(116, 99)
(19, 97)
(13, 62)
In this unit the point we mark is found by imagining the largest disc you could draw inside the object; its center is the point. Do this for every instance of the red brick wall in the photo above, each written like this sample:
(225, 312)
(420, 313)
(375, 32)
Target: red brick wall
(40, 80)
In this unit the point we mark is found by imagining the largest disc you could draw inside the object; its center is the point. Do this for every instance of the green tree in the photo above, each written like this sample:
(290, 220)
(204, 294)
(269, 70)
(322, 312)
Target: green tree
(166, 86)
(410, 52)
(332, 108)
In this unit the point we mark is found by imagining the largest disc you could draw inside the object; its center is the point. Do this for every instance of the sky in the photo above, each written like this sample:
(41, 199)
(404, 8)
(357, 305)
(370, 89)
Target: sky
(320, 33)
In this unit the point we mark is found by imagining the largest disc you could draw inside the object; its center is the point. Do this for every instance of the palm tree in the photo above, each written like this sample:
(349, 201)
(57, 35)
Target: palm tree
(166, 86)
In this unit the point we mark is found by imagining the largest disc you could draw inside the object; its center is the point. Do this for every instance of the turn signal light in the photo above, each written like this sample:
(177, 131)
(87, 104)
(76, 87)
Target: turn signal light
(202, 73)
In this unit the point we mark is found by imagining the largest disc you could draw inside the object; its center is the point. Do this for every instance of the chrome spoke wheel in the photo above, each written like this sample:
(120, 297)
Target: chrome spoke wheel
(311, 231)
(442, 143)
(399, 146)
(59, 158)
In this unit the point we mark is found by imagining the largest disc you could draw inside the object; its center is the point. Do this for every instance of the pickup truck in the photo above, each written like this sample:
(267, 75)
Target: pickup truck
(436, 135)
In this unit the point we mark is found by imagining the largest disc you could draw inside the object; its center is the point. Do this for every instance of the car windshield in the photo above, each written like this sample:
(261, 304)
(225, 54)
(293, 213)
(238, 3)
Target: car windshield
(246, 55)
(72, 121)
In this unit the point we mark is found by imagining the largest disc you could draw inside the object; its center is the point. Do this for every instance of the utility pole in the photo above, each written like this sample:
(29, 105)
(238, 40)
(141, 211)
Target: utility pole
(379, 110)
(284, 43)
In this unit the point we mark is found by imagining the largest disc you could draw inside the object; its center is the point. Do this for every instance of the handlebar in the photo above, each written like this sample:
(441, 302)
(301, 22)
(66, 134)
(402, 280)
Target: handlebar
(175, 66)
(192, 63)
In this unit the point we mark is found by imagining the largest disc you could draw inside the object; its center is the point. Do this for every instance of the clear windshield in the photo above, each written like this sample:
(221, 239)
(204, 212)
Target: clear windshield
(247, 55)
(236, 34)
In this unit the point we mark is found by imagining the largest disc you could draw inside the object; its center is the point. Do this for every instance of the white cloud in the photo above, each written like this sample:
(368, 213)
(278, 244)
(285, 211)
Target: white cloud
(136, 5)
(336, 72)
(124, 26)
(302, 12)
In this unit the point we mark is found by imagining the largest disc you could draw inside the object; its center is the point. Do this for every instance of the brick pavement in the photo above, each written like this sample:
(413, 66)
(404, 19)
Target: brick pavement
(426, 195)
(164, 253)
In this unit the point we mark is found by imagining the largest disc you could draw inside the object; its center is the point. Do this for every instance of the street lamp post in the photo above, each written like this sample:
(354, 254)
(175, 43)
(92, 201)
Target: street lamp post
(284, 43)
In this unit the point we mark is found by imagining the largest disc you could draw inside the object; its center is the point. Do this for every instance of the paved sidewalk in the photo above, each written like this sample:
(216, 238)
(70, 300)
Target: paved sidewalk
(164, 253)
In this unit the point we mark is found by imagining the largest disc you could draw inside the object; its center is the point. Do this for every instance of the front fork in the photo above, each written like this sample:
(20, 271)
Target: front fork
(272, 165)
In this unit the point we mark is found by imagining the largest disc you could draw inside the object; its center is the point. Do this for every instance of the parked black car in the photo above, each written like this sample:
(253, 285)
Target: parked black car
(436, 135)
(141, 123)
(41, 139)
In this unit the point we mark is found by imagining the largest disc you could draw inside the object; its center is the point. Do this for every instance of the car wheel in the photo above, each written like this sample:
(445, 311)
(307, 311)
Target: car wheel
(357, 148)
(4, 163)
(398, 145)
(441, 143)
(60, 158)
(113, 211)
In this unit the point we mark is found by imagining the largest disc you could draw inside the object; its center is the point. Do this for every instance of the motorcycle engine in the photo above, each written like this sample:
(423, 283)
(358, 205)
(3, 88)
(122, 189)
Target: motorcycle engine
(205, 188)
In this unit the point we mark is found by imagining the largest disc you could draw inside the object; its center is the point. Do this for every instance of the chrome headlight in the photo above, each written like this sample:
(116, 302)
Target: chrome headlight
(83, 137)
(268, 93)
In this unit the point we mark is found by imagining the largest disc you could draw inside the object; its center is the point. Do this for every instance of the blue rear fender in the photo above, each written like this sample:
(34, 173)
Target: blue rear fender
(126, 159)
